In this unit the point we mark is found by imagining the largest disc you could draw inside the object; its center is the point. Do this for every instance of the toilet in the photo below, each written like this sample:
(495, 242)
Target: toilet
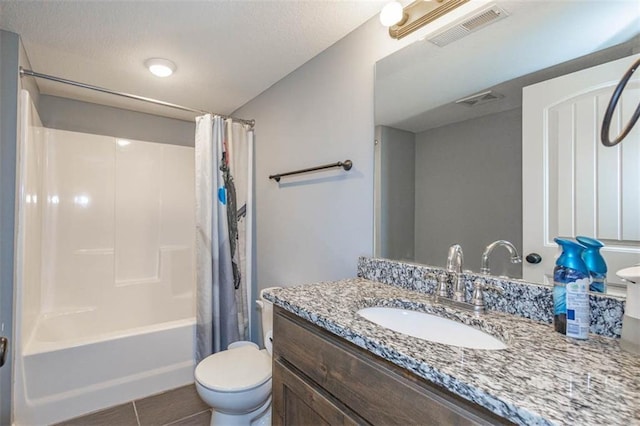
(236, 382)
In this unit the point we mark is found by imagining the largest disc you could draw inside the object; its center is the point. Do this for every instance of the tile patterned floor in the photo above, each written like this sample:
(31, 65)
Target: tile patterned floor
(177, 407)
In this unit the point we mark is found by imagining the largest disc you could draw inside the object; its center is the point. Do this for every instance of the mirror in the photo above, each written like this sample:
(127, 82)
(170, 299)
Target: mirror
(451, 172)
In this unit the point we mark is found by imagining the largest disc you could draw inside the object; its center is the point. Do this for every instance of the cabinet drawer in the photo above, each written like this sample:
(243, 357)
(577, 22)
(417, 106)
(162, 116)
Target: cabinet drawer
(380, 392)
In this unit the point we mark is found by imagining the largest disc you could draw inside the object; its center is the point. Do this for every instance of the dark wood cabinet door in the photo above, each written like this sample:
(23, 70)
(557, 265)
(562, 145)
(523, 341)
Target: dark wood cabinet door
(297, 402)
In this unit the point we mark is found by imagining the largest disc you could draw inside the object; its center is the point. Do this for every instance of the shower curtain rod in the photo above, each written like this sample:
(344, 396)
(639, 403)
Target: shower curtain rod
(31, 73)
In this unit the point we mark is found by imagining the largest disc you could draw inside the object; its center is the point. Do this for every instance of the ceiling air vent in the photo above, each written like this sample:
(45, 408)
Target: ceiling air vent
(467, 25)
(480, 98)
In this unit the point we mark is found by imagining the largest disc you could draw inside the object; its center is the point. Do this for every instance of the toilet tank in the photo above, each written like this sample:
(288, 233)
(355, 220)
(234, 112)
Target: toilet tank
(266, 309)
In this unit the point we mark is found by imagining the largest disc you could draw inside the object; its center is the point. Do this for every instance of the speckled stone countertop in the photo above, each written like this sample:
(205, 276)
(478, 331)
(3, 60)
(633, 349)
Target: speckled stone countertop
(541, 378)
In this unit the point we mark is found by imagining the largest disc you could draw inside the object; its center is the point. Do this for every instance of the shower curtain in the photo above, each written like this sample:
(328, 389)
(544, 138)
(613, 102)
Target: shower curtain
(223, 167)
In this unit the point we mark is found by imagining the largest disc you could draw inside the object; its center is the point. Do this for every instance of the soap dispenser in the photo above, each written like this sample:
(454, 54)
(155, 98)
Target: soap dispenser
(571, 291)
(595, 262)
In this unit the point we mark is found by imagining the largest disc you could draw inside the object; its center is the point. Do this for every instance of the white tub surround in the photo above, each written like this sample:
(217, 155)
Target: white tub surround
(105, 284)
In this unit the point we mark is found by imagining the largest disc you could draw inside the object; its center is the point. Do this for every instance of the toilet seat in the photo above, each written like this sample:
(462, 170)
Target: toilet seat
(234, 370)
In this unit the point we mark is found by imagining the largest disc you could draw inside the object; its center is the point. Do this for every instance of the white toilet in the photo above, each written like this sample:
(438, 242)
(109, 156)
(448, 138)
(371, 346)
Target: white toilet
(236, 382)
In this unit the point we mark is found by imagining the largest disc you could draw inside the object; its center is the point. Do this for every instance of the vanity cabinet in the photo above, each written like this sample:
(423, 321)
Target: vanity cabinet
(321, 379)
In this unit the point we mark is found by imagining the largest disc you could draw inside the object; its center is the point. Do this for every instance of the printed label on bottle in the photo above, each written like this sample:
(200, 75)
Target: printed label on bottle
(563, 278)
(578, 309)
(598, 282)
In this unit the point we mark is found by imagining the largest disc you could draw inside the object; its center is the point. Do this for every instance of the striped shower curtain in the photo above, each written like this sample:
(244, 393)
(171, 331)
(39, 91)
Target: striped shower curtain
(223, 167)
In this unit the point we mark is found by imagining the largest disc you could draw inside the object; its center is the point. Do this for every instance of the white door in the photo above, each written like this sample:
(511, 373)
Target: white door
(572, 184)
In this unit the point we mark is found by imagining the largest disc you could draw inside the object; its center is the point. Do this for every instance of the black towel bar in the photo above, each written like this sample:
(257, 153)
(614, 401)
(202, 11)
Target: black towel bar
(346, 164)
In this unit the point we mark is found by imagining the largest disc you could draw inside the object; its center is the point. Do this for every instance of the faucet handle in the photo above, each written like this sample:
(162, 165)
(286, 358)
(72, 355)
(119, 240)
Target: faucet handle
(479, 285)
(442, 285)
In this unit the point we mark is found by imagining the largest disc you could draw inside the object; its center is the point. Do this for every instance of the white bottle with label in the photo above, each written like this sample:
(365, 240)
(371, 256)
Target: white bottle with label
(578, 313)
(571, 281)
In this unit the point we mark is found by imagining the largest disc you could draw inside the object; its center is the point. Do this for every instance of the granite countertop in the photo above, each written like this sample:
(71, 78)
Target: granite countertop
(543, 377)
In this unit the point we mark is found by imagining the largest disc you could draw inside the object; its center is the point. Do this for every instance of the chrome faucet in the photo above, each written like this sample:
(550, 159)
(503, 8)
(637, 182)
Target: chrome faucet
(453, 277)
(515, 257)
(455, 260)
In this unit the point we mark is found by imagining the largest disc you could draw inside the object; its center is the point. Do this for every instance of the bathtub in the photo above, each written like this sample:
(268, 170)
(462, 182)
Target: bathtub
(74, 365)
(105, 277)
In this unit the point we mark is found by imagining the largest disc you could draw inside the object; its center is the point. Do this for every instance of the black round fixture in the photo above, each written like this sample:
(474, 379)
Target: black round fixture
(534, 258)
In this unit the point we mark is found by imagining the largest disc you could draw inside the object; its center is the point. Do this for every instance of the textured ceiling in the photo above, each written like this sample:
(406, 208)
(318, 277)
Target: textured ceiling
(227, 52)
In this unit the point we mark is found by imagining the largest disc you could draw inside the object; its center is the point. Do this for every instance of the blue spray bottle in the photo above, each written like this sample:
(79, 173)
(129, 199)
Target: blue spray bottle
(595, 262)
(571, 291)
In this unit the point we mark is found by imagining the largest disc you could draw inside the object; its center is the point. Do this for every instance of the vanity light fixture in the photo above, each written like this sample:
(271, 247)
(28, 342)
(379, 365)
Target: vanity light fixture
(160, 67)
(392, 14)
(416, 15)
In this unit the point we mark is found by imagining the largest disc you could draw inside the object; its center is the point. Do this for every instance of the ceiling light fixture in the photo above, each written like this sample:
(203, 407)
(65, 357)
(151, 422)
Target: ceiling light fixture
(416, 15)
(160, 67)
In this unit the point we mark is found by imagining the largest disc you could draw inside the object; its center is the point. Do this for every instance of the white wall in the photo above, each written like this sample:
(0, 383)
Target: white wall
(117, 228)
(28, 290)
(313, 228)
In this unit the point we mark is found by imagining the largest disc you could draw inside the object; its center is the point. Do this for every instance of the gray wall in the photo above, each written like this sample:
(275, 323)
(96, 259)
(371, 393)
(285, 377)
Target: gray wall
(12, 56)
(313, 228)
(398, 153)
(9, 62)
(469, 190)
(77, 116)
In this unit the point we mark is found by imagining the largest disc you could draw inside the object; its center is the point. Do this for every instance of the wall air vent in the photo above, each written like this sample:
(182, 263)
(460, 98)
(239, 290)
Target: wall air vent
(468, 24)
(480, 98)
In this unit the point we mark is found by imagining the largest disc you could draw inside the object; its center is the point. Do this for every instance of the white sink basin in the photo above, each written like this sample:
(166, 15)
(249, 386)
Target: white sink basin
(431, 327)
